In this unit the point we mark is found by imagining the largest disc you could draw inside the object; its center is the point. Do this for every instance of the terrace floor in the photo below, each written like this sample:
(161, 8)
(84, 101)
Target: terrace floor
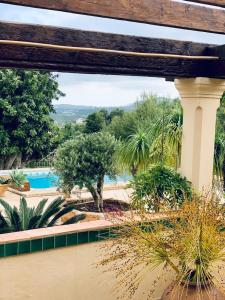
(117, 192)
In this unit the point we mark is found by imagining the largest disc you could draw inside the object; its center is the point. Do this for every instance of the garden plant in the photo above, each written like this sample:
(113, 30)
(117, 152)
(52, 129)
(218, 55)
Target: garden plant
(188, 244)
(25, 218)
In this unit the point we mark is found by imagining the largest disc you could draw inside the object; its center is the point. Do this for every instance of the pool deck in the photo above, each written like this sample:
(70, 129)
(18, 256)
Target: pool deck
(117, 192)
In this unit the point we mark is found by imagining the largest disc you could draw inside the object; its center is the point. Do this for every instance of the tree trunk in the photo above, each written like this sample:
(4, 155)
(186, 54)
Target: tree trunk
(95, 197)
(17, 162)
(134, 170)
(7, 161)
(100, 184)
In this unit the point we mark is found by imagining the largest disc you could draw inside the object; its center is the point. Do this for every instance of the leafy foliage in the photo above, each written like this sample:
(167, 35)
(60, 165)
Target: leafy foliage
(132, 156)
(70, 131)
(219, 156)
(25, 218)
(159, 186)
(84, 162)
(97, 121)
(18, 178)
(26, 129)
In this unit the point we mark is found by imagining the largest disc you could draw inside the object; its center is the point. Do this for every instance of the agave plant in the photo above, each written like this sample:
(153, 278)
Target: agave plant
(18, 178)
(25, 218)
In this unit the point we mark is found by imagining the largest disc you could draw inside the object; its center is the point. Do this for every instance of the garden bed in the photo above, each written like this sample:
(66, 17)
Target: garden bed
(109, 205)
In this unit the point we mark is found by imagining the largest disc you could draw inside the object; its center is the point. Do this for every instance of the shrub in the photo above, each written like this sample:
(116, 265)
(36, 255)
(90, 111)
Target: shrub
(159, 186)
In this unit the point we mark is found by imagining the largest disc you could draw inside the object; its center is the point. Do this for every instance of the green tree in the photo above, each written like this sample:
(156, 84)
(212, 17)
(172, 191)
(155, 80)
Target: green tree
(219, 157)
(98, 121)
(70, 131)
(123, 126)
(166, 146)
(26, 129)
(95, 122)
(85, 162)
(133, 155)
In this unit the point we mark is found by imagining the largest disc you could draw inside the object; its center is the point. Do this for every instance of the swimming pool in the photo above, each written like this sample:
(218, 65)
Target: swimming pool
(44, 180)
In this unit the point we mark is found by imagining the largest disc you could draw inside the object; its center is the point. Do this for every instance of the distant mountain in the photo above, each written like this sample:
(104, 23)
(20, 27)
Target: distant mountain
(70, 113)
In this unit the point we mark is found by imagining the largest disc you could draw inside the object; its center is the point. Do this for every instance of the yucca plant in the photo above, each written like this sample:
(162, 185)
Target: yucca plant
(132, 155)
(190, 244)
(24, 218)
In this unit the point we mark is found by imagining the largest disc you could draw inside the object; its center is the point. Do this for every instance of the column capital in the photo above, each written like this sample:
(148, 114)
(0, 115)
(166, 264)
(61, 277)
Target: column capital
(200, 88)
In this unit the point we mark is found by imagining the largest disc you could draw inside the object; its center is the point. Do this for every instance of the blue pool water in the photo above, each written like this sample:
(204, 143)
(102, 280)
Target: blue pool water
(43, 180)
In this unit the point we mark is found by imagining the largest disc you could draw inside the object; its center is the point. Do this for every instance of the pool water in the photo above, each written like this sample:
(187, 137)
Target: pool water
(44, 180)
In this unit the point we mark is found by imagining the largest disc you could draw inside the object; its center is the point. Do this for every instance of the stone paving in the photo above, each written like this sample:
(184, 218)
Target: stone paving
(35, 195)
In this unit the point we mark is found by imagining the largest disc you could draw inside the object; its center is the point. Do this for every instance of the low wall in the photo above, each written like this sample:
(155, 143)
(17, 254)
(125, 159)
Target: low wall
(68, 273)
(60, 263)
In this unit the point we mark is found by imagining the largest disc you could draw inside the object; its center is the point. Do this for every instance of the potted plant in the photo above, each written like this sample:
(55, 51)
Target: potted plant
(18, 179)
(4, 184)
(190, 244)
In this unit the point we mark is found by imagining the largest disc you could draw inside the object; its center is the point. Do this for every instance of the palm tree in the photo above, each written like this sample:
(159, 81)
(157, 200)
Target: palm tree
(168, 137)
(25, 218)
(132, 155)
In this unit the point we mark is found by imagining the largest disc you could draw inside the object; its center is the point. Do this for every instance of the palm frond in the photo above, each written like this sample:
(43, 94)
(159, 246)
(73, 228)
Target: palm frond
(53, 208)
(74, 219)
(62, 212)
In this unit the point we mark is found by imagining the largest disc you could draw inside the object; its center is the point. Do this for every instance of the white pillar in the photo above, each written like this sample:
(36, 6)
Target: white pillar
(200, 98)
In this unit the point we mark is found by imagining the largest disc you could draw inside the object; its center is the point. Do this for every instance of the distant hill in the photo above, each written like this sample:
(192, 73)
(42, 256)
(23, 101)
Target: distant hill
(70, 113)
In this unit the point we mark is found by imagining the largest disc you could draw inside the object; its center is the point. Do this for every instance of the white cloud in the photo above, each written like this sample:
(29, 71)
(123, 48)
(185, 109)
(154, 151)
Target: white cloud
(113, 91)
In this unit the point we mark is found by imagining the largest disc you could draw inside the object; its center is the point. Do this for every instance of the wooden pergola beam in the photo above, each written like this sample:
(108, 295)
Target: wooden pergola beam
(102, 63)
(160, 12)
(220, 3)
(218, 51)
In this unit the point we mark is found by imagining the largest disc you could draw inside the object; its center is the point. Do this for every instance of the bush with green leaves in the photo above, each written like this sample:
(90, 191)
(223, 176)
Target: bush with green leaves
(159, 186)
(27, 130)
(18, 178)
(84, 162)
(14, 219)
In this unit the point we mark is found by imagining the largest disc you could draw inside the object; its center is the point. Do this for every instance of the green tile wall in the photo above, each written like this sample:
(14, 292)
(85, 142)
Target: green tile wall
(2, 250)
(24, 247)
(57, 241)
(48, 243)
(53, 242)
(11, 249)
(72, 239)
(60, 241)
(36, 245)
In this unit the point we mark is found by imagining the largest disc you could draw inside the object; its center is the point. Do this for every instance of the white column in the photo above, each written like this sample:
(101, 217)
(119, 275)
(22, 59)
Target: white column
(200, 99)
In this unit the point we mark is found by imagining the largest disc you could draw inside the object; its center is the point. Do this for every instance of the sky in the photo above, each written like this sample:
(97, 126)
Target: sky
(105, 90)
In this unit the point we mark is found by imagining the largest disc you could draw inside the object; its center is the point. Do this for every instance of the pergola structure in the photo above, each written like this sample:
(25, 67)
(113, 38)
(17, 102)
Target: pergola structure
(198, 69)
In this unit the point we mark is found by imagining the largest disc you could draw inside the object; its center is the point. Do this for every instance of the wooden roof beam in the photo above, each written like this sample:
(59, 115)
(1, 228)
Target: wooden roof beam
(160, 12)
(220, 3)
(218, 51)
(102, 63)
